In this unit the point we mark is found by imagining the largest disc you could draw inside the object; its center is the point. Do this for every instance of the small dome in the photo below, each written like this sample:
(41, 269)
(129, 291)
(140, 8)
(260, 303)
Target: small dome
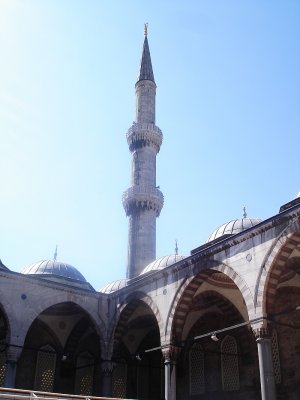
(113, 286)
(162, 262)
(3, 267)
(233, 227)
(53, 267)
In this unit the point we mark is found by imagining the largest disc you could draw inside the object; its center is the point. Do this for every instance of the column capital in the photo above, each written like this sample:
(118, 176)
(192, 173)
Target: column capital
(171, 353)
(107, 367)
(262, 331)
(13, 353)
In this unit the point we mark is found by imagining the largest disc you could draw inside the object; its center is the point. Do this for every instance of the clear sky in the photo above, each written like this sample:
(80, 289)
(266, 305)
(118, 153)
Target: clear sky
(228, 102)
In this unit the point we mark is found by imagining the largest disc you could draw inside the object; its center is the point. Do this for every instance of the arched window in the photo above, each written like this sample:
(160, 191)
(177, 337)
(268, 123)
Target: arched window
(84, 374)
(229, 364)
(275, 357)
(196, 369)
(119, 379)
(45, 369)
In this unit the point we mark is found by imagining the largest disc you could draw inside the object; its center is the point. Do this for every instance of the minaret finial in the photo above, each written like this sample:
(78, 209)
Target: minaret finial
(55, 254)
(176, 247)
(146, 29)
(245, 213)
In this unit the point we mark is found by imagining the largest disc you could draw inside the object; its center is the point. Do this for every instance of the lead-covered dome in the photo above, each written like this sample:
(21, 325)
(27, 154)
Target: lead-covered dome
(113, 286)
(162, 262)
(233, 227)
(54, 268)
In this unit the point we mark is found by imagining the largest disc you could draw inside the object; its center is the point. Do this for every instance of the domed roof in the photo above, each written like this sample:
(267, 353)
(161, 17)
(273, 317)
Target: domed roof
(162, 262)
(233, 227)
(113, 286)
(53, 267)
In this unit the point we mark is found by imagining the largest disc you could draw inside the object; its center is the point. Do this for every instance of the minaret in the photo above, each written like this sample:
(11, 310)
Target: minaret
(143, 201)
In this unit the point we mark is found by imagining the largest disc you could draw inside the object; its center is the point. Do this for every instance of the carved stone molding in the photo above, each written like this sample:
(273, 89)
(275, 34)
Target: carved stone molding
(13, 353)
(171, 353)
(107, 367)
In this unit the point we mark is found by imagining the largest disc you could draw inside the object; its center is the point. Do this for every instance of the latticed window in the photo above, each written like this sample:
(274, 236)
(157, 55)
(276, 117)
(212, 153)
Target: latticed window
(196, 368)
(84, 374)
(119, 380)
(2, 364)
(275, 357)
(230, 364)
(45, 369)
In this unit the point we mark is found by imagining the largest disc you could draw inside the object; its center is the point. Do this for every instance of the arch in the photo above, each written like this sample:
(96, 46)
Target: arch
(21, 326)
(137, 331)
(70, 331)
(126, 309)
(189, 287)
(270, 269)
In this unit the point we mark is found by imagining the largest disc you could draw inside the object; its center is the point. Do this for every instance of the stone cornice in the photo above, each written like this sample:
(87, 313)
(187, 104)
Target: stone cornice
(211, 249)
(41, 282)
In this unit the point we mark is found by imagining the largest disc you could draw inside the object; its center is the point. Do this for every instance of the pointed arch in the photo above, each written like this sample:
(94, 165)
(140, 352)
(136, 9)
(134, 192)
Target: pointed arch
(270, 270)
(189, 287)
(125, 311)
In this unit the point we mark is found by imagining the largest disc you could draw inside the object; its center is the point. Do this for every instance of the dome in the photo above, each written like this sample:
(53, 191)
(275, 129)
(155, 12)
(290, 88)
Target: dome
(56, 268)
(162, 262)
(3, 267)
(113, 286)
(233, 227)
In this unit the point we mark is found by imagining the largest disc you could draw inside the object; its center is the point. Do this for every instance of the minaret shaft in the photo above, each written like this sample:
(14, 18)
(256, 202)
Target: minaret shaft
(145, 92)
(143, 201)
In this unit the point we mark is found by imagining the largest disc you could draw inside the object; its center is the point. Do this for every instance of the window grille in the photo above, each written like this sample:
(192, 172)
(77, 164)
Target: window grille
(196, 368)
(45, 369)
(119, 380)
(2, 364)
(84, 374)
(275, 357)
(229, 364)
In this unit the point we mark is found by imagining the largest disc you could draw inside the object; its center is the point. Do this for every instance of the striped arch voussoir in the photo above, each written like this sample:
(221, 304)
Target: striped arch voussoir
(128, 308)
(271, 272)
(187, 291)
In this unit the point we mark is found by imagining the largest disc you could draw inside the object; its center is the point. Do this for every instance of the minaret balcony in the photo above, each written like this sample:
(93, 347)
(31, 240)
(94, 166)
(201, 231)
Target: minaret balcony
(142, 197)
(141, 135)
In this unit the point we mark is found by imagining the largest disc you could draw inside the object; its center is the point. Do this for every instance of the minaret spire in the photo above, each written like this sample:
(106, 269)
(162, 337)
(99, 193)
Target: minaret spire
(146, 71)
(143, 201)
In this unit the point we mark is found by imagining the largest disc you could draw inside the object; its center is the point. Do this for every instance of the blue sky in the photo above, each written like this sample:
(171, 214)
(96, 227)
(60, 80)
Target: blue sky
(228, 102)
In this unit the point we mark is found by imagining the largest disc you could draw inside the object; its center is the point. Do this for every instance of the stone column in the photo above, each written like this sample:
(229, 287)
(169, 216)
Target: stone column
(106, 383)
(267, 380)
(170, 355)
(12, 356)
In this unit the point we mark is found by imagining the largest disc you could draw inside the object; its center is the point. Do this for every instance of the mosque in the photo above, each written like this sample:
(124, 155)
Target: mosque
(220, 323)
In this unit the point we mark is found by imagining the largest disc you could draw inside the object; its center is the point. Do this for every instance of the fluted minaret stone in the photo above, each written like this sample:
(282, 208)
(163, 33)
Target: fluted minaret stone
(143, 201)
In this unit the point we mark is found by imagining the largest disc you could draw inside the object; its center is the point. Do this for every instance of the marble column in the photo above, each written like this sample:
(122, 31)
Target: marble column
(264, 348)
(12, 356)
(106, 383)
(170, 354)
